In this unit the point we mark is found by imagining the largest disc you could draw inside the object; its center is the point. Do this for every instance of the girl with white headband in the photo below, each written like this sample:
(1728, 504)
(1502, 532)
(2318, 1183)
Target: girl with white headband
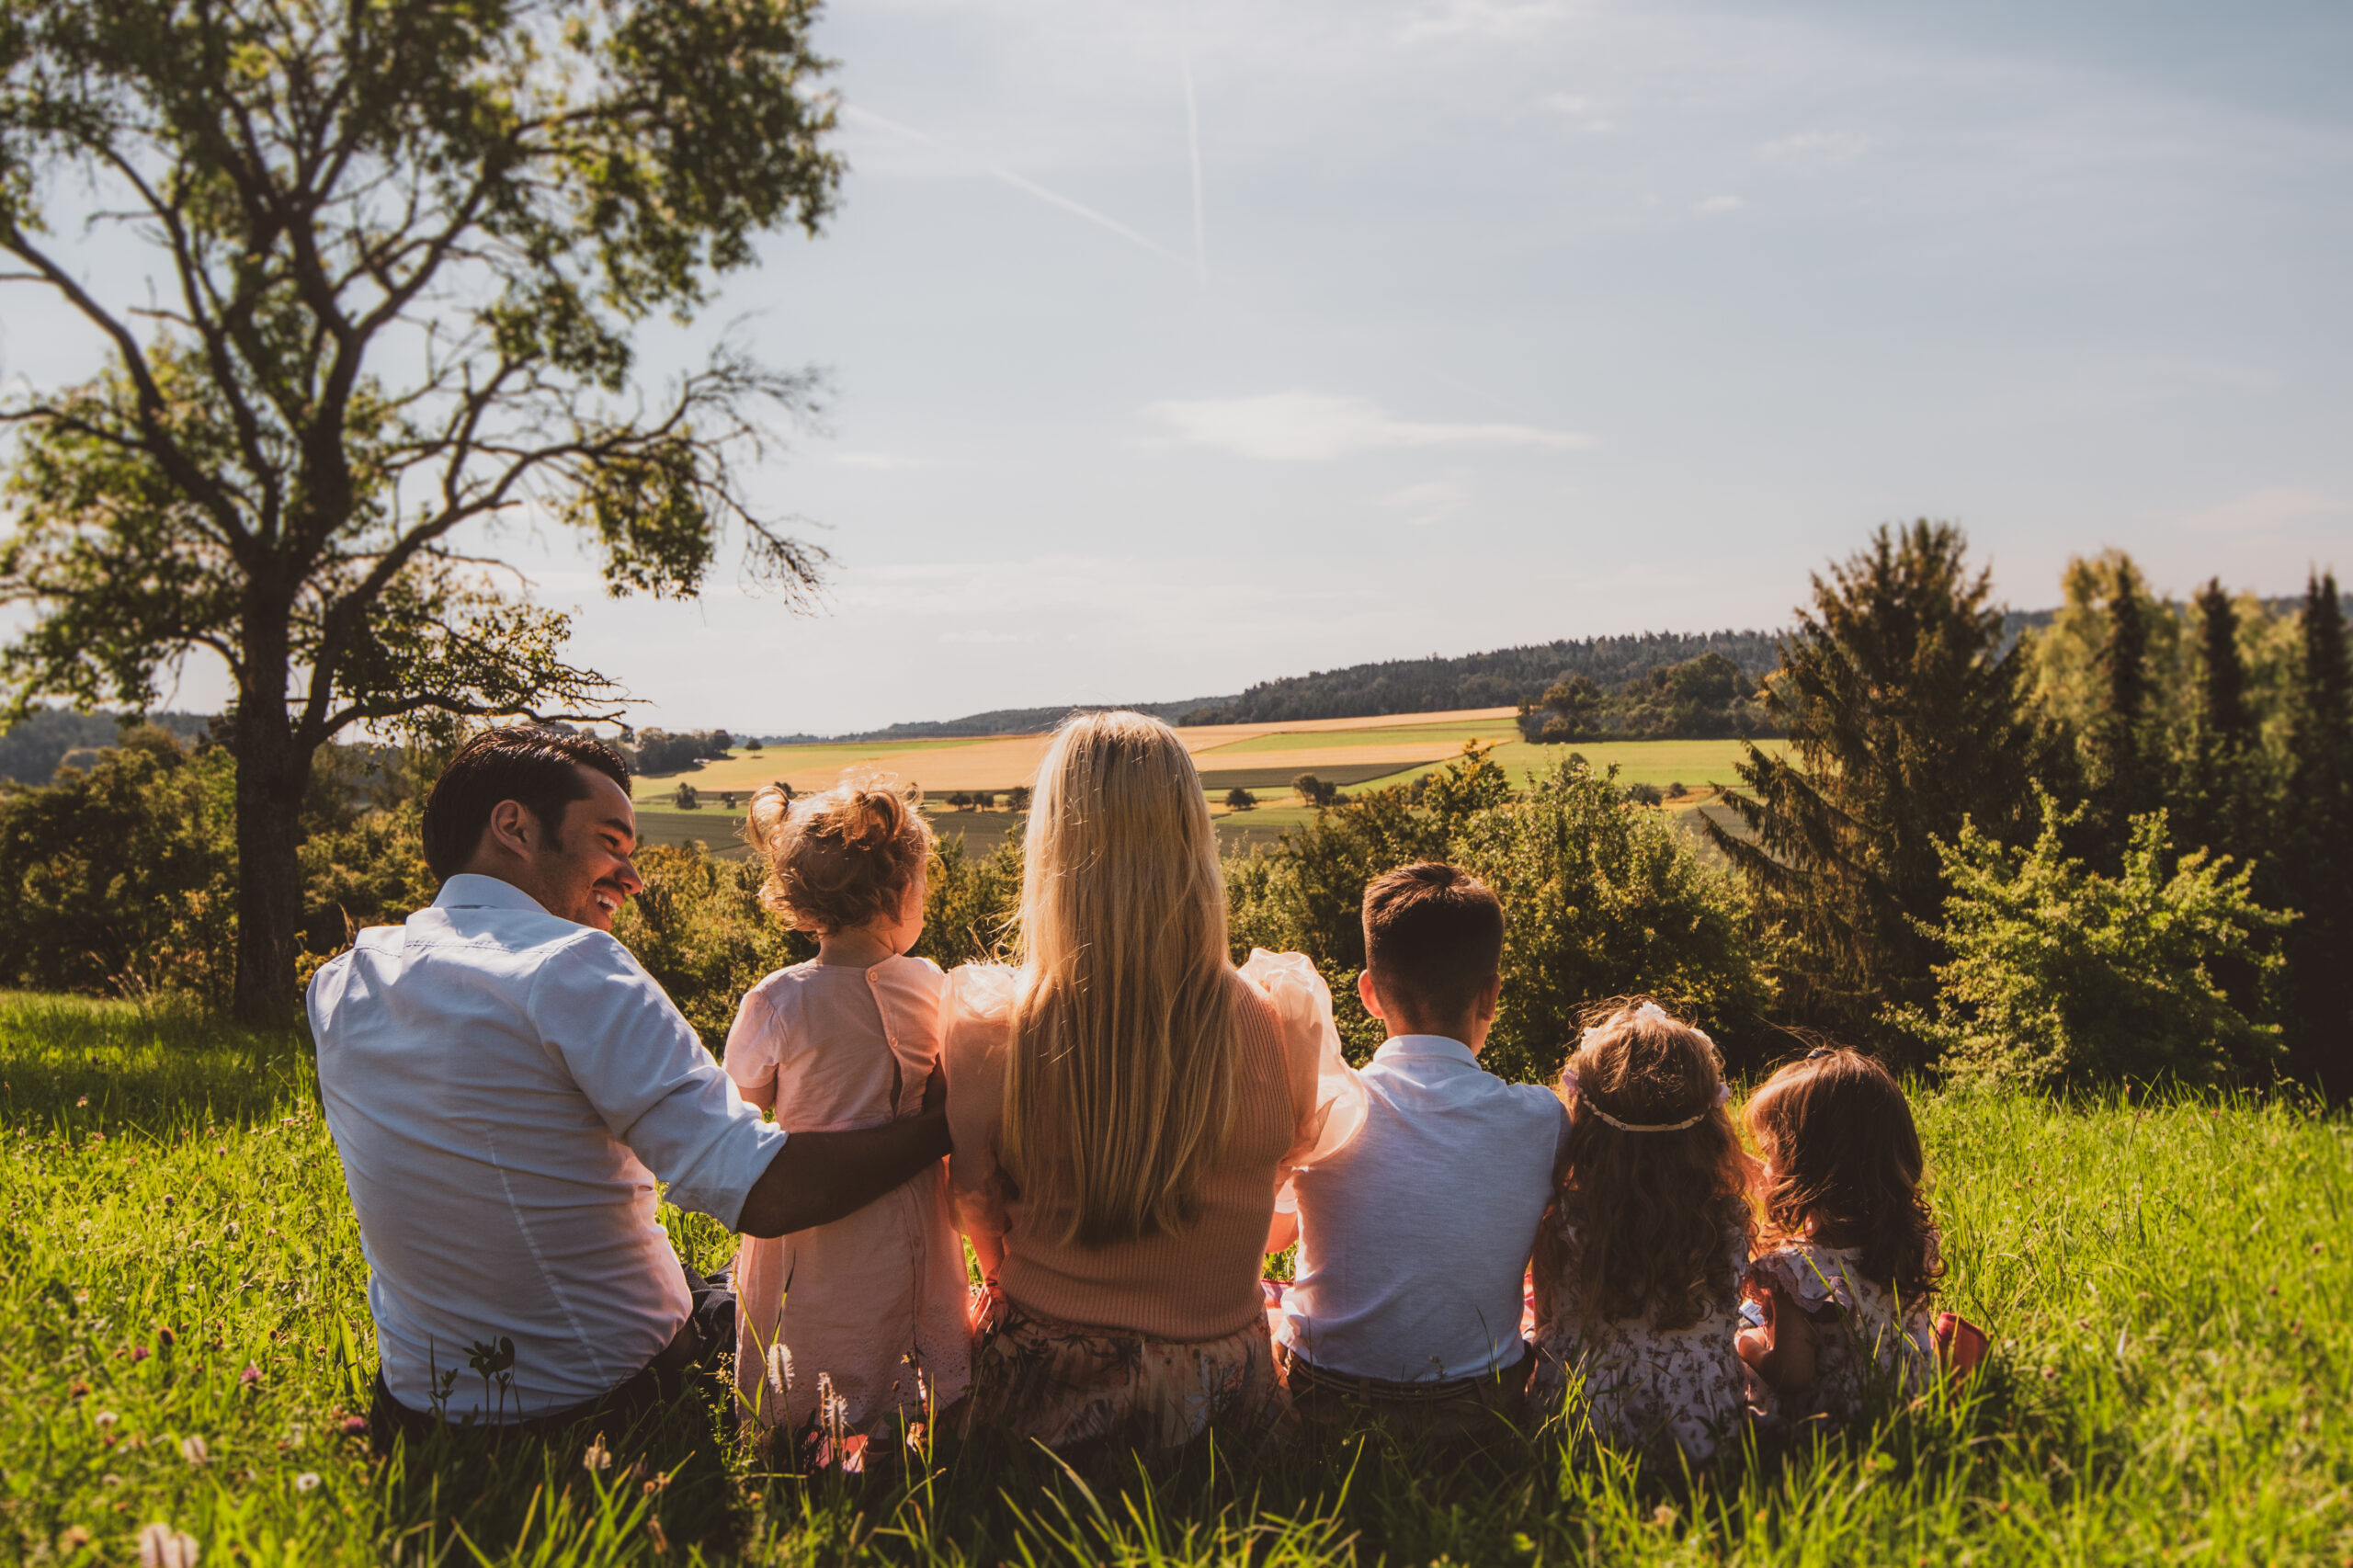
(1637, 1267)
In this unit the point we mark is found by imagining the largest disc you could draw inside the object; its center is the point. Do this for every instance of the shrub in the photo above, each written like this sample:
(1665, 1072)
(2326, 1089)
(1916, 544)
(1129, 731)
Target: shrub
(1604, 899)
(1240, 799)
(686, 797)
(1644, 794)
(697, 927)
(2060, 977)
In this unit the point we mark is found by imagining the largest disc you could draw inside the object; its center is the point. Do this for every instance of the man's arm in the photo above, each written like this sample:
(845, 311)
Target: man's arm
(818, 1177)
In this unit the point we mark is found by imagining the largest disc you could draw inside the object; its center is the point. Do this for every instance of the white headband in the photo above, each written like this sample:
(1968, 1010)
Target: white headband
(1650, 1010)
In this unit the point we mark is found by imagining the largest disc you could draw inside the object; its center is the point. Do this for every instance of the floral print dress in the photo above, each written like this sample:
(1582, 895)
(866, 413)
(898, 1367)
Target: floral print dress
(1865, 1335)
(1657, 1390)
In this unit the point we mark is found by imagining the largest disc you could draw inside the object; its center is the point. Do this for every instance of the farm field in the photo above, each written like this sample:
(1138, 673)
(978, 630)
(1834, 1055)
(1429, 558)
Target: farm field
(1000, 761)
(1352, 751)
(2171, 1380)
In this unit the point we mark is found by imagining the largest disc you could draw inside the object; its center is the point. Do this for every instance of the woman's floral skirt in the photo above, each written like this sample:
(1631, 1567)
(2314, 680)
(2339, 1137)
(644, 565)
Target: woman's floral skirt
(1067, 1384)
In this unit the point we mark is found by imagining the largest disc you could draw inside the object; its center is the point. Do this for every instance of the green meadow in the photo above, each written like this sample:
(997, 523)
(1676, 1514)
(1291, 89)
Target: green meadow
(2165, 1282)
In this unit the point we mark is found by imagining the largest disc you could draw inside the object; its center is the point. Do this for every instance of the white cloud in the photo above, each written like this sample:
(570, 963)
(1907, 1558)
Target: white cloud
(1720, 204)
(1428, 502)
(1580, 113)
(1816, 149)
(1301, 427)
(1483, 18)
(879, 461)
(2266, 511)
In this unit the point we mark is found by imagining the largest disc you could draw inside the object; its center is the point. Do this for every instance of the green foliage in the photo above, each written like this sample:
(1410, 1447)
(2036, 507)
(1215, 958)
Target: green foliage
(1905, 722)
(2149, 1398)
(121, 876)
(404, 252)
(700, 930)
(970, 903)
(2062, 977)
(1707, 697)
(1605, 899)
(2316, 846)
(1602, 898)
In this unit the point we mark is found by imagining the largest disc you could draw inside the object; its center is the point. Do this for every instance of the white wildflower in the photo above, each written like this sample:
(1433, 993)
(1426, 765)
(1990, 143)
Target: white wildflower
(193, 1450)
(599, 1457)
(307, 1482)
(160, 1546)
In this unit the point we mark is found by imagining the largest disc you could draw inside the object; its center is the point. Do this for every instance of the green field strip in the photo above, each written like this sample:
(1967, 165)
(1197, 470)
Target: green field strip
(1279, 778)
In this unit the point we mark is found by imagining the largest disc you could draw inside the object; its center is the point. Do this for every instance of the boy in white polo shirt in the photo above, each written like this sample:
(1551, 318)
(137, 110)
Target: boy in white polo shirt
(1414, 1238)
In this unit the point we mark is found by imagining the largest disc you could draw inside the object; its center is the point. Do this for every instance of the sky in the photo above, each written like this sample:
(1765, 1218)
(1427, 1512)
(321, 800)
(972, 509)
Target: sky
(1171, 347)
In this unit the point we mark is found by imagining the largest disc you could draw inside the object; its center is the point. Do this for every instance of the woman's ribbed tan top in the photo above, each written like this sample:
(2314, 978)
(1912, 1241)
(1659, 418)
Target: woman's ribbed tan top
(1200, 1283)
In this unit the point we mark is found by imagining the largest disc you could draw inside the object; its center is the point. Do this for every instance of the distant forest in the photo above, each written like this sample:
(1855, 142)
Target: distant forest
(30, 752)
(1506, 678)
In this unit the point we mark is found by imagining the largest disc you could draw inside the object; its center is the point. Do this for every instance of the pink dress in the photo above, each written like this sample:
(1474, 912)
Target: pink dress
(874, 1305)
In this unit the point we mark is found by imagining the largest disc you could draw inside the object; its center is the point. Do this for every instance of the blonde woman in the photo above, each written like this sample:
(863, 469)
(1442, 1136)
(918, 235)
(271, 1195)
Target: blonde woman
(1123, 1105)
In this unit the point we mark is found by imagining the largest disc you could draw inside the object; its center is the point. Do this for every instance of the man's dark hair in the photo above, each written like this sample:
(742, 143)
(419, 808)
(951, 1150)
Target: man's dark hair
(1433, 939)
(539, 768)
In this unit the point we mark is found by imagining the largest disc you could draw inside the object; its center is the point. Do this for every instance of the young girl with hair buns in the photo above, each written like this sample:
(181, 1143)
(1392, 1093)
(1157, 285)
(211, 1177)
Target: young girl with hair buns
(848, 1329)
(1638, 1267)
(1847, 1286)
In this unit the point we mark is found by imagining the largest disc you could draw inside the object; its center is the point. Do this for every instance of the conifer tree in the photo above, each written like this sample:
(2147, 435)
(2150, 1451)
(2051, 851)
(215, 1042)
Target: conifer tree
(2216, 795)
(1904, 719)
(2121, 755)
(2316, 868)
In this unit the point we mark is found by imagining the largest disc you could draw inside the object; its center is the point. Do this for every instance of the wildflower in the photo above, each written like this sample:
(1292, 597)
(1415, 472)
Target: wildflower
(599, 1457)
(166, 1337)
(192, 1450)
(307, 1482)
(105, 1418)
(249, 1377)
(140, 1353)
(73, 1539)
(660, 1539)
(354, 1425)
(160, 1546)
(78, 1390)
(83, 1101)
(1662, 1517)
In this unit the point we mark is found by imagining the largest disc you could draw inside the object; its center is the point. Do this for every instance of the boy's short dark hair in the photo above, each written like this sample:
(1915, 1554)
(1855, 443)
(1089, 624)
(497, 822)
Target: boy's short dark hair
(520, 762)
(1433, 939)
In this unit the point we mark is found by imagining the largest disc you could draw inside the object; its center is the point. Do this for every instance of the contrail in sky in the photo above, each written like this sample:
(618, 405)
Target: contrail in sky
(1193, 139)
(1053, 198)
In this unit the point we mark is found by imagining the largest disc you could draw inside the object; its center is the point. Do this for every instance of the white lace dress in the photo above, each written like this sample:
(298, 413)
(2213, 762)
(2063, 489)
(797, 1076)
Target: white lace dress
(1864, 1335)
(1648, 1388)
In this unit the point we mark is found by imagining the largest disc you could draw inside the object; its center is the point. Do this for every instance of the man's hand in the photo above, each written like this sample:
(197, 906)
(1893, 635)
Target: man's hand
(818, 1177)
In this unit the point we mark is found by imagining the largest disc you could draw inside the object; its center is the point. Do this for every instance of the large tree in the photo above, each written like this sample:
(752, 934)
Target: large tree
(2316, 838)
(1904, 720)
(397, 253)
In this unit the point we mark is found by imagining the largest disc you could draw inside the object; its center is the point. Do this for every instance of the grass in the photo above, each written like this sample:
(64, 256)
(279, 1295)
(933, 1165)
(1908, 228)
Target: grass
(2166, 1283)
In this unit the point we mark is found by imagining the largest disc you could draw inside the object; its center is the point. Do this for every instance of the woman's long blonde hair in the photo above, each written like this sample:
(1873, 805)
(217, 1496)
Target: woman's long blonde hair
(1120, 1089)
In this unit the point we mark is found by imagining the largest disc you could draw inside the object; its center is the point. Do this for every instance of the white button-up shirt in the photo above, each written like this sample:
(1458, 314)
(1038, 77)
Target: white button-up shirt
(505, 1087)
(1414, 1238)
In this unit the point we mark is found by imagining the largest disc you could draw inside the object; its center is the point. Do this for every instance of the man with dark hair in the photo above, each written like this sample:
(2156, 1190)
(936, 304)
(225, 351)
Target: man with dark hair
(506, 1086)
(1413, 1237)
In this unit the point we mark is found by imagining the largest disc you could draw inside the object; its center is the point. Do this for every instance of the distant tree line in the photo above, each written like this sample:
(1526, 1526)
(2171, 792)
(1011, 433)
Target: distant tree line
(1706, 697)
(35, 745)
(1506, 677)
(659, 751)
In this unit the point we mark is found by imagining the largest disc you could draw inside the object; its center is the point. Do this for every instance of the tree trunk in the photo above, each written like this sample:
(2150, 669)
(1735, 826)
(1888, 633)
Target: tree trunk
(273, 774)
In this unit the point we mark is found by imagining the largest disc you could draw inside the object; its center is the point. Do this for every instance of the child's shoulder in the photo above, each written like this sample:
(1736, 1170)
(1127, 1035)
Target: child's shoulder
(778, 985)
(1808, 1273)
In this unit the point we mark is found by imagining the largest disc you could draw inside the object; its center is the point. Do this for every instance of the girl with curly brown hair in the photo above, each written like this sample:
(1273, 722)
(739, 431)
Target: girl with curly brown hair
(1638, 1266)
(845, 1330)
(1847, 1285)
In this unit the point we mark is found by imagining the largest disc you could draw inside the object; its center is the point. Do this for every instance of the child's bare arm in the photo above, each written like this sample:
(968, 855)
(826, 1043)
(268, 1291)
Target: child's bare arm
(1782, 1351)
(761, 1099)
